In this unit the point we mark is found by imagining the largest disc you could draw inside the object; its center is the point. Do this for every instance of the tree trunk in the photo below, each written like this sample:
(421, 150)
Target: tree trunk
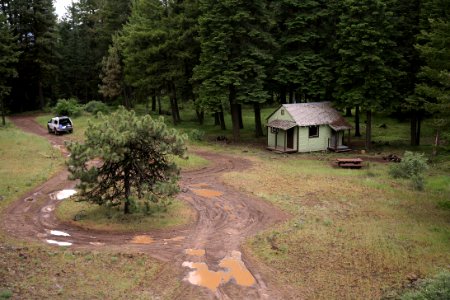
(368, 129)
(283, 95)
(173, 110)
(348, 112)
(357, 130)
(419, 125)
(216, 119)
(126, 183)
(222, 120)
(154, 102)
(436, 143)
(159, 103)
(200, 116)
(413, 128)
(3, 112)
(41, 95)
(258, 126)
(234, 113)
(241, 123)
(291, 96)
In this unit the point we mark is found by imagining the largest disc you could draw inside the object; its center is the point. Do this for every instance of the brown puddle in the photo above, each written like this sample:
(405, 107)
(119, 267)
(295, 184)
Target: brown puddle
(142, 239)
(207, 193)
(235, 269)
(195, 252)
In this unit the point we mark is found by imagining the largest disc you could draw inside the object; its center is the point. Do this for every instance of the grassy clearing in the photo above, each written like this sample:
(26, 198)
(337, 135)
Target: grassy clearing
(91, 216)
(16, 176)
(355, 234)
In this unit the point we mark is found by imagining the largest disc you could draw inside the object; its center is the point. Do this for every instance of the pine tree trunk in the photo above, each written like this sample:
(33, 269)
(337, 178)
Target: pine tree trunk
(291, 96)
(126, 184)
(3, 112)
(419, 125)
(41, 95)
(173, 110)
(348, 112)
(357, 129)
(216, 119)
(436, 143)
(153, 102)
(234, 113)
(200, 116)
(283, 95)
(413, 128)
(159, 103)
(222, 120)
(241, 123)
(258, 124)
(368, 129)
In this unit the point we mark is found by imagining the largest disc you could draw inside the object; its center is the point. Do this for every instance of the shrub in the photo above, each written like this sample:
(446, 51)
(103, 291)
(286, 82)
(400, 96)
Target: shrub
(196, 135)
(437, 288)
(94, 107)
(411, 167)
(68, 107)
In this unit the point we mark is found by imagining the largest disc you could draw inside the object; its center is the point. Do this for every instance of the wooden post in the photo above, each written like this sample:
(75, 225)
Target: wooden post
(276, 139)
(285, 140)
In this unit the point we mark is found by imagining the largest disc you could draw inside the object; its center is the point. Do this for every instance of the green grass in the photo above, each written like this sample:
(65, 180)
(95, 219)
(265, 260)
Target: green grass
(436, 288)
(354, 234)
(94, 217)
(16, 176)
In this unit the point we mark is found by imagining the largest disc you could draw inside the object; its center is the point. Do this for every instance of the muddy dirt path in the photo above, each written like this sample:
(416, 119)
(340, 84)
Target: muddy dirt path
(225, 217)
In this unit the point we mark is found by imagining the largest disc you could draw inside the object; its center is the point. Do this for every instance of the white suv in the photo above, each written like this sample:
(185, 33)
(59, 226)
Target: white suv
(58, 125)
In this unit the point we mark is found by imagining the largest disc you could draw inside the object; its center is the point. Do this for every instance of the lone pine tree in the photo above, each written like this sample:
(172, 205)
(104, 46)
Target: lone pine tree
(135, 160)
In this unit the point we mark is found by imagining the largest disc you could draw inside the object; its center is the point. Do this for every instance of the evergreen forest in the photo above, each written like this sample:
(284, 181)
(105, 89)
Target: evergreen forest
(365, 56)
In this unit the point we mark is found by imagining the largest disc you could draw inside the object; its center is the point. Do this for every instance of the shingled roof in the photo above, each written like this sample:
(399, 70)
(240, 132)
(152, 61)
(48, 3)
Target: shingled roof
(316, 113)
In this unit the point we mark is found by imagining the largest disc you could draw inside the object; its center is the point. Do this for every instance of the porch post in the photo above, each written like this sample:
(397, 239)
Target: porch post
(276, 139)
(285, 140)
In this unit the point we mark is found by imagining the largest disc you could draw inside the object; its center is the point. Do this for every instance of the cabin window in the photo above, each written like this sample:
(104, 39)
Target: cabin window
(282, 112)
(313, 131)
(273, 130)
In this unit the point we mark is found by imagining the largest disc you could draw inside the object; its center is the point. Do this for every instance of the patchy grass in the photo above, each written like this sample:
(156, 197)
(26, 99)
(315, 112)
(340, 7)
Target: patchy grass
(94, 217)
(354, 234)
(436, 288)
(42, 272)
(17, 177)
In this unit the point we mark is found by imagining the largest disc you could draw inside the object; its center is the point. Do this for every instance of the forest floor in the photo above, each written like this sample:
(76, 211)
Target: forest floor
(203, 250)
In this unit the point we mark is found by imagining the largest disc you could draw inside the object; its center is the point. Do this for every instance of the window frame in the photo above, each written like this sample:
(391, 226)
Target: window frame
(314, 135)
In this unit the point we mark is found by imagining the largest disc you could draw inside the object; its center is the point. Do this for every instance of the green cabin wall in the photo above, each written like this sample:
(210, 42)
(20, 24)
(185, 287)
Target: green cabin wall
(319, 143)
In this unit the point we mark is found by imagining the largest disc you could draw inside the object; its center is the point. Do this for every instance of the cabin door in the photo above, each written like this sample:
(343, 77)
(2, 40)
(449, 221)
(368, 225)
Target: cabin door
(334, 139)
(290, 138)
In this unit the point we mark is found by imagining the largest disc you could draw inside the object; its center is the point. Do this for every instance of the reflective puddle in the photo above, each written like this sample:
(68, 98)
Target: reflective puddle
(59, 233)
(207, 193)
(195, 252)
(234, 269)
(63, 244)
(142, 239)
(64, 194)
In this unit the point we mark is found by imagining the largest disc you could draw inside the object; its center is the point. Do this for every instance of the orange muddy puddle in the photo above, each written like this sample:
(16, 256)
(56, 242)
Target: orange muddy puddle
(207, 193)
(235, 269)
(195, 252)
(142, 239)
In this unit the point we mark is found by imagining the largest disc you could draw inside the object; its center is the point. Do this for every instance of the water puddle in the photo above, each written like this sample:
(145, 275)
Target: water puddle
(59, 233)
(234, 269)
(142, 239)
(64, 194)
(195, 252)
(48, 208)
(207, 193)
(62, 244)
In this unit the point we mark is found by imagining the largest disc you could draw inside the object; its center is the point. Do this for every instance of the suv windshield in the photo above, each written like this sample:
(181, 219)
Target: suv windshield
(64, 122)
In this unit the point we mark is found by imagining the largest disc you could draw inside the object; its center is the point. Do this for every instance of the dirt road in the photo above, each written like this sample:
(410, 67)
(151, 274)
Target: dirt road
(225, 217)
